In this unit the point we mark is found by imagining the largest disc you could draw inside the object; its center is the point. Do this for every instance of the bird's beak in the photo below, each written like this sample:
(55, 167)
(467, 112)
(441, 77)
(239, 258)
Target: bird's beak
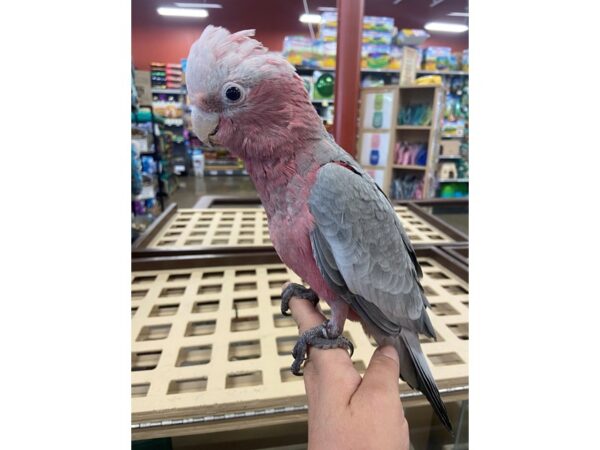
(205, 125)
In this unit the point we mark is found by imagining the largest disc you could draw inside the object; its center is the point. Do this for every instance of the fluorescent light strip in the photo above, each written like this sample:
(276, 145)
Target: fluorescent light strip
(453, 14)
(310, 18)
(326, 8)
(200, 5)
(446, 27)
(182, 12)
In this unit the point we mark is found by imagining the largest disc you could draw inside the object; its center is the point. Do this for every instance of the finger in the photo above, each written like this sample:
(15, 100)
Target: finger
(383, 372)
(306, 317)
(327, 373)
(305, 314)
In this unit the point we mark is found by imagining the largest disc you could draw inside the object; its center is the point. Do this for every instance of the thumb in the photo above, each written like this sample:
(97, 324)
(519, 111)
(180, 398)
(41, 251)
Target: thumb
(383, 371)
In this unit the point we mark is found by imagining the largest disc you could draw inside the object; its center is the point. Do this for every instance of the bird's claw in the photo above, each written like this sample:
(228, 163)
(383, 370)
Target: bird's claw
(317, 337)
(299, 291)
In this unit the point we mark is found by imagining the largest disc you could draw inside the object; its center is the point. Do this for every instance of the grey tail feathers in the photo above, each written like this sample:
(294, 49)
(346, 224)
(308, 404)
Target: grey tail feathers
(415, 371)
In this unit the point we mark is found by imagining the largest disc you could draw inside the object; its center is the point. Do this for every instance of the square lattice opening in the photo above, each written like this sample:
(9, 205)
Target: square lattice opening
(164, 310)
(242, 350)
(244, 379)
(194, 356)
(154, 332)
(461, 330)
(187, 386)
(443, 309)
(205, 306)
(140, 390)
(144, 360)
(244, 323)
(445, 359)
(285, 344)
(200, 328)
(245, 303)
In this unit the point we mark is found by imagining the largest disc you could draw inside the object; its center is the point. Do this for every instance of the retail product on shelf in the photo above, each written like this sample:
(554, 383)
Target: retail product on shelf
(436, 58)
(408, 36)
(418, 114)
(407, 187)
(377, 49)
(410, 154)
(399, 136)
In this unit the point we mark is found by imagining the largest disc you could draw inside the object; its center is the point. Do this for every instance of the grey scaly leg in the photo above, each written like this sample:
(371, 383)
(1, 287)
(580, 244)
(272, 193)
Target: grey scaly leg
(317, 337)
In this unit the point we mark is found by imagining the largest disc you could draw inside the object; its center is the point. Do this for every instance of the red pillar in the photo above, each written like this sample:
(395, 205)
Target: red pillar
(347, 73)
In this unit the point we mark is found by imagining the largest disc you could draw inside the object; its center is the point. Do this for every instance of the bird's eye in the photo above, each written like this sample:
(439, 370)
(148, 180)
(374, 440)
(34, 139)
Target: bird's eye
(233, 93)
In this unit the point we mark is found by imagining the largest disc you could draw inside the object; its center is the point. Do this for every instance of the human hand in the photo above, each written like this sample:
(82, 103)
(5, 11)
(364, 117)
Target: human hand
(346, 411)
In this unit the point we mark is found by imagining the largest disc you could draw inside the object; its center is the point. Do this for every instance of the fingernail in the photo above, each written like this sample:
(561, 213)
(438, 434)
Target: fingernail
(390, 352)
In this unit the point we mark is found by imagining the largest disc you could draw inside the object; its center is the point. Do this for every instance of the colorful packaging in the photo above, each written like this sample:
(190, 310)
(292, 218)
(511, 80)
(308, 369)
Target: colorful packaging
(437, 58)
(385, 24)
(465, 60)
(408, 36)
(375, 56)
(376, 37)
(299, 51)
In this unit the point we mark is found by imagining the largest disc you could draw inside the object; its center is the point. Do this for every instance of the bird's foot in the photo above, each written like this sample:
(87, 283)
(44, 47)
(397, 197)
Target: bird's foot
(317, 337)
(296, 290)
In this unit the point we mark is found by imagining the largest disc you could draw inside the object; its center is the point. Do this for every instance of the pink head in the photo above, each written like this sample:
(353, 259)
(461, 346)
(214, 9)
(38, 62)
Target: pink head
(244, 97)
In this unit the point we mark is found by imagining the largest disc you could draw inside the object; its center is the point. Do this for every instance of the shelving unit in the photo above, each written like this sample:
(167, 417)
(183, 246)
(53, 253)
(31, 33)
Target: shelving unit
(381, 165)
(461, 188)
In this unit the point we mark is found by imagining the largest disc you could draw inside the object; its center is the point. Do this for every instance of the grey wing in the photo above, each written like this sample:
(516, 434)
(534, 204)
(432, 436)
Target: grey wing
(363, 252)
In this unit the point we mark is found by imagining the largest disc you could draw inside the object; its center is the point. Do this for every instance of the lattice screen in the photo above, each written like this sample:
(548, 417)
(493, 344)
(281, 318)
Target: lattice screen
(190, 228)
(211, 340)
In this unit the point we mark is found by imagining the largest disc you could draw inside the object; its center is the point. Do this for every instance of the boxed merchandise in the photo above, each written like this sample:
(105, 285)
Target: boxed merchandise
(376, 56)
(325, 53)
(376, 37)
(465, 60)
(450, 148)
(436, 58)
(300, 51)
(385, 24)
(329, 20)
(408, 36)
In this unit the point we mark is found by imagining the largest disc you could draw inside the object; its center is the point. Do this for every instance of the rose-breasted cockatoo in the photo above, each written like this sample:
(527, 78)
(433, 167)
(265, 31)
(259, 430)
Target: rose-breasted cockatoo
(328, 220)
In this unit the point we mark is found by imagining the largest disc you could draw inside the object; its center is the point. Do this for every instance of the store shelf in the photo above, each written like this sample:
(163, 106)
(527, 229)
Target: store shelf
(322, 101)
(409, 167)
(456, 180)
(168, 91)
(313, 69)
(413, 127)
(443, 72)
(450, 157)
(421, 86)
(452, 136)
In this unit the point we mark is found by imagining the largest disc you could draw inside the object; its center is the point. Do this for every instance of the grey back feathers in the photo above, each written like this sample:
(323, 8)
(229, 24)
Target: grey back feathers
(365, 256)
(363, 252)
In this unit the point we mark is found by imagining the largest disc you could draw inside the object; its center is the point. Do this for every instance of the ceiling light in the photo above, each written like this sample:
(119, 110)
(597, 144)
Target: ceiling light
(453, 14)
(326, 8)
(446, 27)
(182, 12)
(199, 5)
(310, 18)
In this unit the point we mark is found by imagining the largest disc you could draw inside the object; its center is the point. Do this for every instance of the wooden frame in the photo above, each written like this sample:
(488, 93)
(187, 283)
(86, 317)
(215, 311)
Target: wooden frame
(225, 201)
(210, 349)
(241, 230)
(458, 251)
